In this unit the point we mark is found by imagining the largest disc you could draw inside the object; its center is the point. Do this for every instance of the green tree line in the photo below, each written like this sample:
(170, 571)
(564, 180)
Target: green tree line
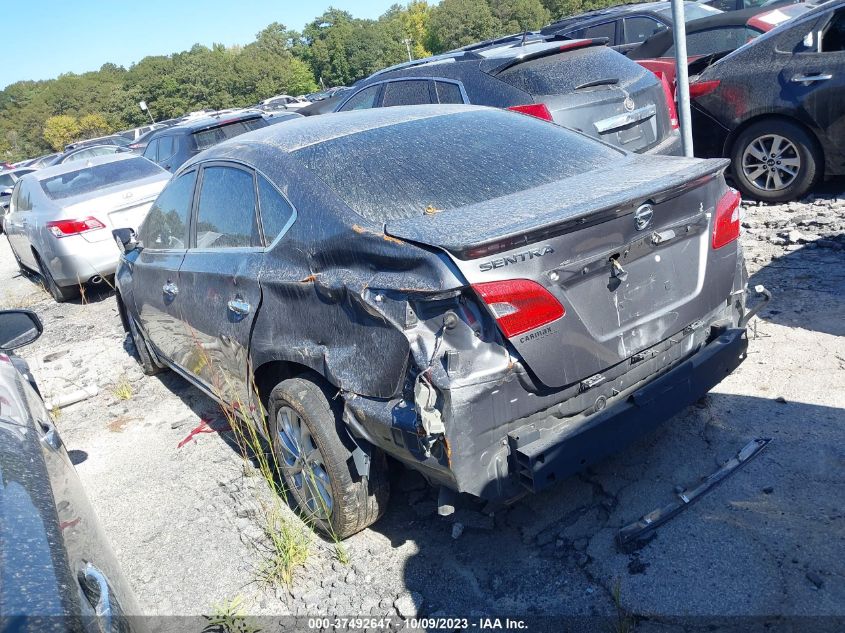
(335, 48)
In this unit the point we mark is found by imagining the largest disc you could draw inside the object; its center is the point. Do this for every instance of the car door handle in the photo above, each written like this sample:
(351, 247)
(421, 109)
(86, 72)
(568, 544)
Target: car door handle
(801, 79)
(239, 306)
(170, 289)
(103, 607)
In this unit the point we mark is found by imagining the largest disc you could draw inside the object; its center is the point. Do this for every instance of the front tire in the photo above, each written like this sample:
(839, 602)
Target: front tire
(316, 465)
(775, 160)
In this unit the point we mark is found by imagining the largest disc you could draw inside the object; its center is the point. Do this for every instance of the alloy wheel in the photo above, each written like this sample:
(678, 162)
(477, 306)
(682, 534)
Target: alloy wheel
(303, 463)
(771, 162)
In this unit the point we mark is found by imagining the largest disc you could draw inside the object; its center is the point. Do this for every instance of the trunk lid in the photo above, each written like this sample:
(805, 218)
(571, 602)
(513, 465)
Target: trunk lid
(654, 216)
(117, 208)
(599, 92)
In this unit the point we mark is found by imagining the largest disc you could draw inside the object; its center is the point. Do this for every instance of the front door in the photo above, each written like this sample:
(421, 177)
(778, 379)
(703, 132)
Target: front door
(158, 292)
(816, 79)
(221, 269)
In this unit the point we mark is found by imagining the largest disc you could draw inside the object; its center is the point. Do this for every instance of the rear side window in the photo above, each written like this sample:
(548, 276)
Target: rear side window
(448, 92)
(151, 150)
(639, 29)
(362, 100)
(436, 164)
(166, 225)
(89, 179)
(607, 29)
(276, 211)
(562, 73)
(207, 138)
(410, 92)
(165, 147)
(226, 211)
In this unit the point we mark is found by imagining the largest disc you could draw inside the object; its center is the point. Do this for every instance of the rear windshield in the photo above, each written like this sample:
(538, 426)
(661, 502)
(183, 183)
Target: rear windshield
(88, 179)
(445, 162)
(562, 73)
(207, 138)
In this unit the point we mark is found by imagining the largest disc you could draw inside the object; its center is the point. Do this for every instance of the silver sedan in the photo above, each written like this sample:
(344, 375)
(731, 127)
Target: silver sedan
(60, 218)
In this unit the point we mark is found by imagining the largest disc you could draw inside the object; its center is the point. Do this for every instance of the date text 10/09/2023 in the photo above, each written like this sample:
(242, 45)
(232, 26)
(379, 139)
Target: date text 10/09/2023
(451, 624)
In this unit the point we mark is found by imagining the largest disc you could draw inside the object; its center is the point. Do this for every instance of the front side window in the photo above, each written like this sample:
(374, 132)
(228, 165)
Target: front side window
(362, 100)
(166, 225)
(276, 211)
(411, 92)
(226, 211)
(833, 38)
(6, 181)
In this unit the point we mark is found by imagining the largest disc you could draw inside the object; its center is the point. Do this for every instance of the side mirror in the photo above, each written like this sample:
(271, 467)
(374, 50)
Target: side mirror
(126, 239)
(18, 328)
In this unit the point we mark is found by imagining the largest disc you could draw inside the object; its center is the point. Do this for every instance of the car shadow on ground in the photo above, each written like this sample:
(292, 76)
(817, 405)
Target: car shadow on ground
(801, 296)
(759, 542)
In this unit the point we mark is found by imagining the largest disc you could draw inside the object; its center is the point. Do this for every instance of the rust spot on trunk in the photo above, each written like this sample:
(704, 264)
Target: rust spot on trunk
(387, 238)
(310, 279)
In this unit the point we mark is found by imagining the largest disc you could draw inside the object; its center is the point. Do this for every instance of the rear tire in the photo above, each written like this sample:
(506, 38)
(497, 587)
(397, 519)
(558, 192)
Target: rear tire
(316, 464)
(59, 293)
(775, 160)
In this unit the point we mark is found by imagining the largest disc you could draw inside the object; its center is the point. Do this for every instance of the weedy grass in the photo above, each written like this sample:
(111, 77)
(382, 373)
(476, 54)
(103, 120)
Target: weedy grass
(289, 546)
(229, 617)
(341, 554)
(56, 414)
(624, 622)
(288, 543)
(122, 390)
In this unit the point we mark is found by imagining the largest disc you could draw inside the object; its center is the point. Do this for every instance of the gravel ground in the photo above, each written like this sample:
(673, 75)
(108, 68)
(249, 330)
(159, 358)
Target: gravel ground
(182, 507)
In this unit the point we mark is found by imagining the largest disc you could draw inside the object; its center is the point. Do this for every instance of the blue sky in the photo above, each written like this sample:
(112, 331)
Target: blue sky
(44, 39)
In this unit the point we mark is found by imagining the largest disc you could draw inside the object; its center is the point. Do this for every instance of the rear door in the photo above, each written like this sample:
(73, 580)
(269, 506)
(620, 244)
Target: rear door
(156, 287)
(220, 275)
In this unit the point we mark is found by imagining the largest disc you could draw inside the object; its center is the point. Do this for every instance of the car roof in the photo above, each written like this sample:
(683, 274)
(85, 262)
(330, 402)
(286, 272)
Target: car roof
(305, 131)
(204, 123)
(79, 165)
(611, 12)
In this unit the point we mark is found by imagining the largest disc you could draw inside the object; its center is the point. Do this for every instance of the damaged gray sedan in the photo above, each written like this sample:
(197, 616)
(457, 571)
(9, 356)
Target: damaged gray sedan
(489, 299)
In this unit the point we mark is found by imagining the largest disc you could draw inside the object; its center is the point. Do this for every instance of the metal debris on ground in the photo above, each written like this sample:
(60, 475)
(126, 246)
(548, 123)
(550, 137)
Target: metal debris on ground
(648, 522)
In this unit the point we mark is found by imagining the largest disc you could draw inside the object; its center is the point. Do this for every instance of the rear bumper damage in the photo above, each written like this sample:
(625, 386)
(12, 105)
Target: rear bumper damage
(504, 437)
(541, 458)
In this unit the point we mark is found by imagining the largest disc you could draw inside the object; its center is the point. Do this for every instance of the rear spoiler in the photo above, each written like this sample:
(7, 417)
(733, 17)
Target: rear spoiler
(524, 217)
(496, 65)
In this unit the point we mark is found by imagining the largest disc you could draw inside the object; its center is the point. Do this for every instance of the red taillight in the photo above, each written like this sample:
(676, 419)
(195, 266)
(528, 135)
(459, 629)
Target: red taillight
(64, 228)
(519, 305)
(670, 99)
(701, 88)
(726, 224)
(538, 110)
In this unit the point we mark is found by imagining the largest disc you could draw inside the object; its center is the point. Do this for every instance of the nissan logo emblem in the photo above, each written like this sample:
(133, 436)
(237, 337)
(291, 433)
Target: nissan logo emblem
(642, 216)
(629, 104)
